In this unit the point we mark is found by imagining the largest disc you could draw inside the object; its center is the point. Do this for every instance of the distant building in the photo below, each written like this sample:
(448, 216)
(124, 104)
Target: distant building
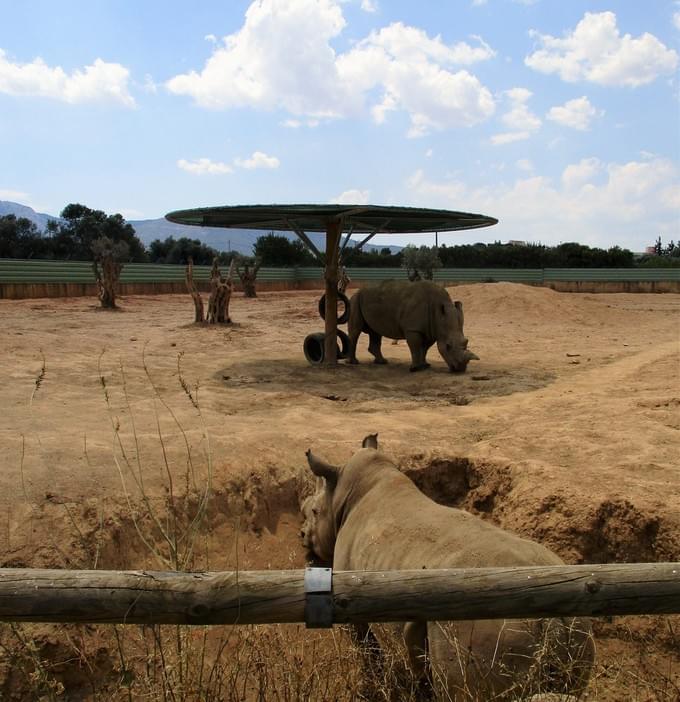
(650, 250)
(516, 242)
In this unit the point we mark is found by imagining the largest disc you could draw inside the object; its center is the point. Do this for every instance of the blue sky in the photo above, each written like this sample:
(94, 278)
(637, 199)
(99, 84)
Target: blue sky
(560, 118)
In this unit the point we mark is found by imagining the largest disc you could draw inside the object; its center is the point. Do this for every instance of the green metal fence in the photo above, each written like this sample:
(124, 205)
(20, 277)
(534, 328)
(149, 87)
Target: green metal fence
(34, 271)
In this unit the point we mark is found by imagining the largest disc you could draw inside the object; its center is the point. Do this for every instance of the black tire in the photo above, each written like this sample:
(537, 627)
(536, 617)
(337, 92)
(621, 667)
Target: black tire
(313, 347)
(315, 350)
(345, 312)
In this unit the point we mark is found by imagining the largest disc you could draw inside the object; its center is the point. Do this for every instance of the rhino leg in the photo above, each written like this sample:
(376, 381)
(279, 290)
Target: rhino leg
(374, 347)
(354, 333)
(415, 638)
(355, 327)
(418, 349)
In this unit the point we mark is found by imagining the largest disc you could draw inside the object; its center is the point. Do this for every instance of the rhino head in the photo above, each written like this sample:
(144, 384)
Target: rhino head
(451, 341)
(320, 510)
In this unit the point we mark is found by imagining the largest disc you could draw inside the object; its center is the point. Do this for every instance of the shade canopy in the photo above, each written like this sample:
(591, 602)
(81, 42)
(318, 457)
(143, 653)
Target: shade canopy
(316, 218)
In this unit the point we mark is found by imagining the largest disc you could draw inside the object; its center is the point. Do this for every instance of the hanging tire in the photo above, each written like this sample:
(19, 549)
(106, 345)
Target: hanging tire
(345, 312)
(315, 350)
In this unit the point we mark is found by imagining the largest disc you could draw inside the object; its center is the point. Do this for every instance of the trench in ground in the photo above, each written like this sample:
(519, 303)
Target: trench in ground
(253, 522)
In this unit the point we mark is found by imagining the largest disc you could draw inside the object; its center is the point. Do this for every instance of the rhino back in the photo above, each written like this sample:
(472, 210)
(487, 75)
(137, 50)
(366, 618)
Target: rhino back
(395, 526)
(395, 307)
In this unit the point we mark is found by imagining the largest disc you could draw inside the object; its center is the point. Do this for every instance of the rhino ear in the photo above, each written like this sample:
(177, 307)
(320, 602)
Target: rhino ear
(370, 441)
(322, 469)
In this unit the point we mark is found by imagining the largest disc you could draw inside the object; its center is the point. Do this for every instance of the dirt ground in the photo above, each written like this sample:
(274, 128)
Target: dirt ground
(567, 431)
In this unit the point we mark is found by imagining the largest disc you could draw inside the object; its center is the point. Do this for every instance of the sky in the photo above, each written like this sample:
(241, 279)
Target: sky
(559, 118)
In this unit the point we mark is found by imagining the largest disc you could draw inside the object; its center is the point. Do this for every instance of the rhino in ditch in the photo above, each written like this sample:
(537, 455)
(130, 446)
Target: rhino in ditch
(368, 515)
(420, 312)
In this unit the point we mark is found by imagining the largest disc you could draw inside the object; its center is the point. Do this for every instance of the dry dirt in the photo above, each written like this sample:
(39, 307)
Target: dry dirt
(566, 431)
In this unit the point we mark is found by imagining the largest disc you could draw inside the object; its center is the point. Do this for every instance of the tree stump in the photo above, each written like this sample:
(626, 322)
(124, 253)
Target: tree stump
(107, 264)
(220, 295)
(199, 315)
(248, 276)
(107, 272)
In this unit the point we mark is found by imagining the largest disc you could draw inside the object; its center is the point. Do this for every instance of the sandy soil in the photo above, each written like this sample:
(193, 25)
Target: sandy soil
(566, 431)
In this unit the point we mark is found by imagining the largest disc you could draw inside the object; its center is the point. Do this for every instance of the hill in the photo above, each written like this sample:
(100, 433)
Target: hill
(40, 219)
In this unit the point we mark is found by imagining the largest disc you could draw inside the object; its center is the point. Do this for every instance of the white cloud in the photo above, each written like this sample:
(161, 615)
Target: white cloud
(98, 82)
(676, 20)
(352, 197)
(297, 123)
(211, 38)
(369, 5)
(519, 118)
(577, 113)
(524, 164)
(576, 174)
(408, 44)
(429, 153)
(204, 166)
(596, 203)
(149, 85)
(282, 58)
(258, 160)
(408, 66)
(14, 195)
(508, 137)
(596, 52)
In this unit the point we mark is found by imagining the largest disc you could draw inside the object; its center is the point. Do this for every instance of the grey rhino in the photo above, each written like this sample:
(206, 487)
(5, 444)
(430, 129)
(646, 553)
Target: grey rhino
(367, 515)
(420, 312)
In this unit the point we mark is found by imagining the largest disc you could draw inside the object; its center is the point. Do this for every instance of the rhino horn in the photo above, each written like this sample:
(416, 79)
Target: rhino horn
(370, 441)
(471, 356)
(322, 469)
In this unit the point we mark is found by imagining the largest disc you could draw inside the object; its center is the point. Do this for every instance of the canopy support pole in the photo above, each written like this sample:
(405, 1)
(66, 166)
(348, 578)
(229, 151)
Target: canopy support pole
(359, 246)
(306, 240)
(333, 234)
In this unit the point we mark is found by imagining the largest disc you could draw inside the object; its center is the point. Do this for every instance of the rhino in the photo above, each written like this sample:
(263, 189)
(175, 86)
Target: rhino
(368, 515)
(420, 312)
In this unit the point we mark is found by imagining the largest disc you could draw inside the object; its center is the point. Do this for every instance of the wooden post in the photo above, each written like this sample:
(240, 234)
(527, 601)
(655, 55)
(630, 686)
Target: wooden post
(274, 597)
(333, 233)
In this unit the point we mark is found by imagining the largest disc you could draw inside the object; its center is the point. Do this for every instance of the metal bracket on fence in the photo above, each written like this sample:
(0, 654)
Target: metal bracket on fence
(319, 598)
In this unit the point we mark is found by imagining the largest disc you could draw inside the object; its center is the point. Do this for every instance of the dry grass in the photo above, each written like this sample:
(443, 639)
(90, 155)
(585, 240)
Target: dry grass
(286, 663)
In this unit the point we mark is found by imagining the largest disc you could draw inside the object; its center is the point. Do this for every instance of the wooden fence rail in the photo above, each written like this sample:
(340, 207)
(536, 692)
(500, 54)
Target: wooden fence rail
(272, 597)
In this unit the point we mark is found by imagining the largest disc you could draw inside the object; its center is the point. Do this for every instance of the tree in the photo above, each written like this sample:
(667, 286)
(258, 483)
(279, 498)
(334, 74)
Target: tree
(20, 238)
(108, 264)
(73, 239)
(276, 250)
(180, 250)
(420, 262)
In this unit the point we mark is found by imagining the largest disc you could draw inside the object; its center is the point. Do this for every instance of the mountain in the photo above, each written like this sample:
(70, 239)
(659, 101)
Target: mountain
(240, 240)
(40, 219)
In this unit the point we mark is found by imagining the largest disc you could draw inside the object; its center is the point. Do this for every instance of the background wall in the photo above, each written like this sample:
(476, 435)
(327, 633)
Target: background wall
(33, 278)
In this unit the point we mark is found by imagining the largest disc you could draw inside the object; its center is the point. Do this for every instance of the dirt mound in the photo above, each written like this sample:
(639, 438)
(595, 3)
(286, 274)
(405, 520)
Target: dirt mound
(522, 302)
